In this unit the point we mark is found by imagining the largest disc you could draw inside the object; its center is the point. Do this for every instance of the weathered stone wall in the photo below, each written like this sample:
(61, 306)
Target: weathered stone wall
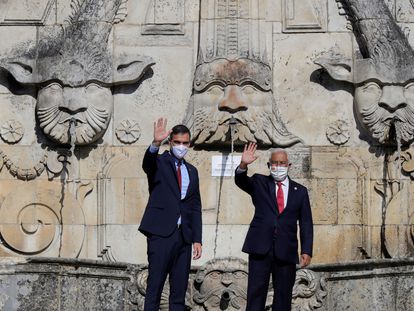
(86, 201)
(77, 284)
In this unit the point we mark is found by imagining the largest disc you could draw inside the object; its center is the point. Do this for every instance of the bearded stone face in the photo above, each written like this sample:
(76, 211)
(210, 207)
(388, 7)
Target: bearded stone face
(250, 110)
(233, 102)
(223, 290)
(88, 108)
(386, 110)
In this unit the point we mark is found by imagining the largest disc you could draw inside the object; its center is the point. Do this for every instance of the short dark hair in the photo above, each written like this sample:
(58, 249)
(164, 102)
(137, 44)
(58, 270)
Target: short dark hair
(180, 129)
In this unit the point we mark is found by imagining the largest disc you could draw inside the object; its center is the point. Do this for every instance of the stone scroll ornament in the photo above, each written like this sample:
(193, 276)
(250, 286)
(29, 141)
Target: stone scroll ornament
(232, 99)
(309, 291)
(73, 68)
(38, 220)
(383, 77)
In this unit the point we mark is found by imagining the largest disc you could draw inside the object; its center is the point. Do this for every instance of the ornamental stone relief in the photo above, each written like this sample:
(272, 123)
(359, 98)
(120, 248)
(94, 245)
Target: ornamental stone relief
(38, 220)
(12, 131)
(128, 131)
(51, 161)
(73, 69)
(309, 291)
(338, 132)
(221, 284)
(383, 97)
(384, 92)
(164, 17)
(232, 99)
(304, 15)
(24, 173)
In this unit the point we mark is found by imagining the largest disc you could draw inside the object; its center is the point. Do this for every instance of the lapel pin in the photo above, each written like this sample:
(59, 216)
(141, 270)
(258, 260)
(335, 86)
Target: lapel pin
(295, 188)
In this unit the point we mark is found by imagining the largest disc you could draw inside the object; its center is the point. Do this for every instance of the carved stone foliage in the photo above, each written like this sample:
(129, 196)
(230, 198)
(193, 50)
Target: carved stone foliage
(43, 219)
(397, 214)
(24, 173)
(232, 96)
(128, 131)
(384, 91)
(51, 161)
(309, 291)
(74, 70)
(407, 162)
(407, 159)
(12, 131)
(338, 132)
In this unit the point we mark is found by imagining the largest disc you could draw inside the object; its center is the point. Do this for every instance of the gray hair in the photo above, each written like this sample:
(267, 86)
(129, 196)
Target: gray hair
(278, 150)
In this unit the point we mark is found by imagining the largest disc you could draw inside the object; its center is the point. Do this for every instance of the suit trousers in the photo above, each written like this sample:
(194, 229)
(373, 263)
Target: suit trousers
(167, 256)
(283, 278)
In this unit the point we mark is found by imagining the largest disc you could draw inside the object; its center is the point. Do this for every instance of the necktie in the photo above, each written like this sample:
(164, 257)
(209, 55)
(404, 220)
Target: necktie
(279, 197)
(179, 174)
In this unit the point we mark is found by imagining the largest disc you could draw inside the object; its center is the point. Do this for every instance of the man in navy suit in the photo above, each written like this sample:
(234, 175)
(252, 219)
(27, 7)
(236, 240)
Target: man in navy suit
(271, 241)
(172, 217)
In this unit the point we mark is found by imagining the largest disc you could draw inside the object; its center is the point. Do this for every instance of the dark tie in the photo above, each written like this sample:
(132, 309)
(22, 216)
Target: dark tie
(179, 174)
(279, 197)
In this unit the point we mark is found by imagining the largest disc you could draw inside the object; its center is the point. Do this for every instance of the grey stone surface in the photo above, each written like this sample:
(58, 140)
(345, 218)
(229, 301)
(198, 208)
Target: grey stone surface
(68, 284)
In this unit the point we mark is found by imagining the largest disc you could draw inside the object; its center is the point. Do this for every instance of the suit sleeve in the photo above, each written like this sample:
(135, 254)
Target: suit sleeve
(243, 181)
(196, 214)
(306, 226)
(149, 165)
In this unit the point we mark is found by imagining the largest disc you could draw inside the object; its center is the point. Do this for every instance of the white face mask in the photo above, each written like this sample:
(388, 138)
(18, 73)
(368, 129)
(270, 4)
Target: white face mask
(179, 151)
(279, 173)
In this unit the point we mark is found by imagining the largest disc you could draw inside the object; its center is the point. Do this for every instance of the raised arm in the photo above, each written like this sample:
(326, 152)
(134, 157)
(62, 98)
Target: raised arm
(149, 163)
(241, 179)
(160, 131)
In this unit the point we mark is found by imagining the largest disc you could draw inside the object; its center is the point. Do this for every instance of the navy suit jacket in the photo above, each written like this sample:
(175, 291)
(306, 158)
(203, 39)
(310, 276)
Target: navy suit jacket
(268, 227)
(165, 205)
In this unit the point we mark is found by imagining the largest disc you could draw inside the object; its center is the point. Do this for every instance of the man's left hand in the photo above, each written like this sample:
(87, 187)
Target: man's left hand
(305, 260)
(196, 251)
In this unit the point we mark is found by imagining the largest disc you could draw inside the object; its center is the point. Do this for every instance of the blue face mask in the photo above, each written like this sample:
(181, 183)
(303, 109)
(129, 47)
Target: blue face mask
(179, 151)
(279, 173)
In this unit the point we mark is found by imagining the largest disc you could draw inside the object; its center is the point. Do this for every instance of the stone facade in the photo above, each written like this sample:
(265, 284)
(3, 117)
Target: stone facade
(220, 284)
(81, 83)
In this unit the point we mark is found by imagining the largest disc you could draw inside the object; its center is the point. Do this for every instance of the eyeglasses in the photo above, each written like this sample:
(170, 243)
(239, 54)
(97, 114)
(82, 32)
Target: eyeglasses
(177, 142)
(278, 163)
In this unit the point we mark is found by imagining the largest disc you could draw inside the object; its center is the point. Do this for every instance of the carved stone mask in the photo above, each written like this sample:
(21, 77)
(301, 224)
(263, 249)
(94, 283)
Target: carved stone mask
(222, 285)
(232, 100)
(384, 104)
(383, 79)
(89, 108)
(74, 71)
(235, 94)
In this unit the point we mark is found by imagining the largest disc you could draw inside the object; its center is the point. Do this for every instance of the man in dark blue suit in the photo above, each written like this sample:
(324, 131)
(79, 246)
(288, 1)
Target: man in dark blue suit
(172, 218)
(271, 242)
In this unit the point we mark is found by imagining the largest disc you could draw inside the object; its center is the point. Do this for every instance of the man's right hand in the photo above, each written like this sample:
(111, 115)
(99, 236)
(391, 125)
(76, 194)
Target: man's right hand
(160, 131)
(248, 155)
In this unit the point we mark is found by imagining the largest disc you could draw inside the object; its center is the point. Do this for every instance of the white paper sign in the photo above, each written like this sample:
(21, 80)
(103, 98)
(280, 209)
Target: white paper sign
(224, 165)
